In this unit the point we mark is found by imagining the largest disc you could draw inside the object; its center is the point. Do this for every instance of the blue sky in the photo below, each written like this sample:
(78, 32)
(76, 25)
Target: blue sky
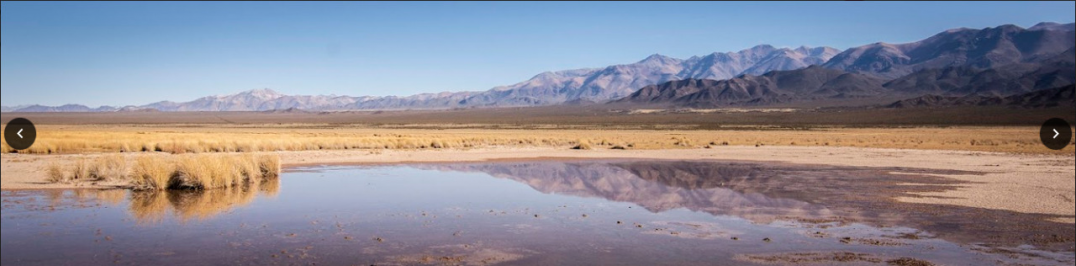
(133, 53)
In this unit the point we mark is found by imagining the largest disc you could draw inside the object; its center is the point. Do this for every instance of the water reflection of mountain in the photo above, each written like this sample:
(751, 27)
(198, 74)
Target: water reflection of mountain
(764, 193)
(752, 191)
(154, 207)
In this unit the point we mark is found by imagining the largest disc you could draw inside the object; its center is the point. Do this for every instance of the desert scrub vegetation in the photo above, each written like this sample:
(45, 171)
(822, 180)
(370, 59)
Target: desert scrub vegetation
(153, 172)
(195, 139)
(583, 145)
(80, 169)
(218, 171)
(158, 172)
(55, 173)
(207, 171)
(108, 168)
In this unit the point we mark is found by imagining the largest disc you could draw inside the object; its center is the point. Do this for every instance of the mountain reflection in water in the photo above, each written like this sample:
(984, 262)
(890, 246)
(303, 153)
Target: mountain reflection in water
(769, 192)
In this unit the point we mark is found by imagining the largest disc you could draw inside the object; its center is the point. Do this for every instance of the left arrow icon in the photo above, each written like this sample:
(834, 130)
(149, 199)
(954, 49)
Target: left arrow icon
(20, 134)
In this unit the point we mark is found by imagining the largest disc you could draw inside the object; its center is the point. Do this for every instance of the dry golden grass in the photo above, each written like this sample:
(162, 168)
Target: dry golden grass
(583, 145)
(269, 166)
(210, 171)
(195, 139)
(109, 168)
(161, 172)
(203, 172)
(153, 172)
(248, 167)
(80, 170)
(56, 173)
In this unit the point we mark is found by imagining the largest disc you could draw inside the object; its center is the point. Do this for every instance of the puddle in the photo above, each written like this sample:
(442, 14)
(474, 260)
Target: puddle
(538, 213)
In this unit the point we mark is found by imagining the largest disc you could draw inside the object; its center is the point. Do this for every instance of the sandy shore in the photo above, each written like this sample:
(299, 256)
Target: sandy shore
(1039, 184)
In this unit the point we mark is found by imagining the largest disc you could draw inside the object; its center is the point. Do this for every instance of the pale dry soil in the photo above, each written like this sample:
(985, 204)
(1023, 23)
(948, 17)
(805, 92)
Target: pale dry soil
(1037, 184)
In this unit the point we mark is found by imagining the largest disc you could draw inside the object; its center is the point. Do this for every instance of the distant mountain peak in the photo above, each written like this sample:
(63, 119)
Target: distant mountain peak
(804, 49)
(956, 30)
(763, 47)
(655, 56)
(1046, 24)
(760, 50)
(261, 94)
(658, 58)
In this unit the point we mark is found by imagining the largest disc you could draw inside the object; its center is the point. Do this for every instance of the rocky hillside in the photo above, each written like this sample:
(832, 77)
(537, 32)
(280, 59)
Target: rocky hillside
(1056, 97)
(980, 49)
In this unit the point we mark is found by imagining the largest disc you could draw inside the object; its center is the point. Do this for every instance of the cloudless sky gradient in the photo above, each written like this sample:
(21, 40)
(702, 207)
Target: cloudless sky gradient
(135, 53)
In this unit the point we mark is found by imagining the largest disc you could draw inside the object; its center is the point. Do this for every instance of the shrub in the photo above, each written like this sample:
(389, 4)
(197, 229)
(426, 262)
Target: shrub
(195, 172)
(249, 167)
(56, 173)
(269, 165)
(81, 170)
(205, 172)
(108, 168)
(583, 145)
(153, 173)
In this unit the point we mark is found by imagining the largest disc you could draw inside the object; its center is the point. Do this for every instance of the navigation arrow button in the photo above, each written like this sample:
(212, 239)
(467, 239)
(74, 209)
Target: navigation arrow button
(1056, 134)
(20, 134)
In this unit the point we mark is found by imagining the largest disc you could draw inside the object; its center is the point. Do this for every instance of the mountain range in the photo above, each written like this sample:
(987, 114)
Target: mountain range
(811, 83)
(992, 62)
(614, 82)
(986, 48)
(818, 83)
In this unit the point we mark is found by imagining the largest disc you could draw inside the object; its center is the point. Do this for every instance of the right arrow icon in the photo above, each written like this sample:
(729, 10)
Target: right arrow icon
(1056, 134)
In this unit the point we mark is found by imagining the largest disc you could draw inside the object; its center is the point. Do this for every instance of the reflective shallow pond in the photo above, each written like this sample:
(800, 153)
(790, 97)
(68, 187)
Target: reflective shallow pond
(536, 213)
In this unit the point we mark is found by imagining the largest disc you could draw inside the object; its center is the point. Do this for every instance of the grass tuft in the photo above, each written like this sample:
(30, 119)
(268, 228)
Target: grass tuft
(269, 166)
(56, 173)
(109, 168)
(80, 171)
(153, 173)
(583, 145)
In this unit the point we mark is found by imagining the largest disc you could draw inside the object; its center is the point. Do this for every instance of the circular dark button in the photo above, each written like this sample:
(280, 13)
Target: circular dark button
(20, 134)
(1056, 134)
